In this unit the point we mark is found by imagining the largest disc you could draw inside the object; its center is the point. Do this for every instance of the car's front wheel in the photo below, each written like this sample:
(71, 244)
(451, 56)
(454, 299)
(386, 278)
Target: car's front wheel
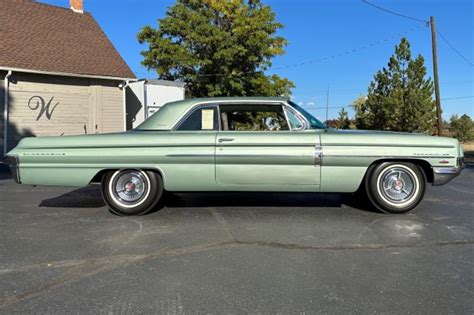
(131, 191)
(395, 187)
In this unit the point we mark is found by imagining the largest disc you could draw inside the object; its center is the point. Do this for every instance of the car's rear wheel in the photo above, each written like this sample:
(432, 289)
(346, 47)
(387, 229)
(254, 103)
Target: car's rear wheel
(395, 187)
(132, 191)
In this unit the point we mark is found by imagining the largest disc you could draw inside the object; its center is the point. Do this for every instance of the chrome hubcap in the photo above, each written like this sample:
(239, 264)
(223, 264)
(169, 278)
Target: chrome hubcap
(397, 185)
(130, 186)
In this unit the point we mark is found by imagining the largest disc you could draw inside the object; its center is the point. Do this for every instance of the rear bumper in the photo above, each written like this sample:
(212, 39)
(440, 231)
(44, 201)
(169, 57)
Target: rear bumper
(443, 175)
(14, 164)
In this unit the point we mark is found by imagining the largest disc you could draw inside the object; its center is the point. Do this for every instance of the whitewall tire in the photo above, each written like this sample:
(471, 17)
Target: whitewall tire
(131, 191)
(395, 187)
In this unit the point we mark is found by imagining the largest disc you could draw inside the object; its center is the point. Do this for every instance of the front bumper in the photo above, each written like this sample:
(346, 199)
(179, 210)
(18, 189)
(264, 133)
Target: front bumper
(14, 164)
(443, 175)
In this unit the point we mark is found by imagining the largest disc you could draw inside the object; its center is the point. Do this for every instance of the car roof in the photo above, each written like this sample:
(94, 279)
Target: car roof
(170, 113)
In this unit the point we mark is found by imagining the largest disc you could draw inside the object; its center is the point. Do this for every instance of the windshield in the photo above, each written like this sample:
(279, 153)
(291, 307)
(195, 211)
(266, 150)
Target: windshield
(313, 122)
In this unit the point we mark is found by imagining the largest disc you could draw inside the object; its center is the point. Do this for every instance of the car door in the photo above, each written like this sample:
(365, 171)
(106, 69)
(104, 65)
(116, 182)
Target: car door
(257, 148)
(191, 150)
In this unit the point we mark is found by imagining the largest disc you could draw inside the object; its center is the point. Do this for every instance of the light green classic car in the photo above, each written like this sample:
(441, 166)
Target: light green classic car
(239, 144)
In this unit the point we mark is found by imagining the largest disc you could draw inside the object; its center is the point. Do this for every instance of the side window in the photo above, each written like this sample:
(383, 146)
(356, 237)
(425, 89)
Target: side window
(258, 117)
(201, 119)
(295, 122)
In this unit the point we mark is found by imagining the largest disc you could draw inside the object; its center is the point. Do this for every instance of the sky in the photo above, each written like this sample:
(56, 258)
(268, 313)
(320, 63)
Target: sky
(357, 38)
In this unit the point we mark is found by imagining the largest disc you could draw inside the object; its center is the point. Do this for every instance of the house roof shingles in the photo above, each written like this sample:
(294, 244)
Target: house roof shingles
(37, 36)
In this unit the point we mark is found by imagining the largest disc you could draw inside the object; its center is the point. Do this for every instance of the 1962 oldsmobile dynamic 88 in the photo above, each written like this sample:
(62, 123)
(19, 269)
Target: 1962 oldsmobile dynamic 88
(239, 144)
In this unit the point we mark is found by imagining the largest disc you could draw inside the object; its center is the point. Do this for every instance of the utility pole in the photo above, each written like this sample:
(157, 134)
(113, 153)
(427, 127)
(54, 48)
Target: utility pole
(439, 122)
(327, 105)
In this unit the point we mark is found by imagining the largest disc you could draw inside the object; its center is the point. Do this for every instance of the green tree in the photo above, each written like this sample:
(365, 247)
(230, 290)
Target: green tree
(445, 124)
(400, 97)
(461, 127)
(331, 123)
(218, 48)
(362, 117)
(343, 121)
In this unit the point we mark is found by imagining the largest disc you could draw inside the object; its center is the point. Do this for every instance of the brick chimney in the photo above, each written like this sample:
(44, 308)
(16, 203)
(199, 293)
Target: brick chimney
(76, 6)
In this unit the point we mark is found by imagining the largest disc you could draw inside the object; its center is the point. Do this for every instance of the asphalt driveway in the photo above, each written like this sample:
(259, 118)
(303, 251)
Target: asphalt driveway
(62, 251)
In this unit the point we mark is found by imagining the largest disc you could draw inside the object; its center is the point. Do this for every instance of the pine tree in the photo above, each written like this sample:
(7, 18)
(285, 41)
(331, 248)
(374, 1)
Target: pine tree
(400, 97)
(219, 48)
(343, 121)
(461, 127)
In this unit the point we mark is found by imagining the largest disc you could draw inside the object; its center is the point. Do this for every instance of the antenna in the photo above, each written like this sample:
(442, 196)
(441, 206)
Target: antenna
(327, 105)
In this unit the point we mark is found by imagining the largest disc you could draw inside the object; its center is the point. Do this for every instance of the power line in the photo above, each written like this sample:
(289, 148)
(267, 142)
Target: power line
(395, 13)
(350, 106)
(144, 72)
(427, 23)
(330, 107)
(458, 82)
(347, 91)
(347, 52)
(454, 49)
(327, 58)
(457, 98)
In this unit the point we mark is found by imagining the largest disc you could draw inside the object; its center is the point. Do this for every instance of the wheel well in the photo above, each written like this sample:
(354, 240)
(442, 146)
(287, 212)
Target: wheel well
(422, 164)
(98, 177)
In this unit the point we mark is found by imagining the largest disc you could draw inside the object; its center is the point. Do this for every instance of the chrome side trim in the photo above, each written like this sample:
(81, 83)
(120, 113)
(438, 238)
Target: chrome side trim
(178, 145)
(386, 145)
(236, 144)
(128, 146)
(241, 155)
(263, 156)
(318, 155)
(391, 157)
(190, 155)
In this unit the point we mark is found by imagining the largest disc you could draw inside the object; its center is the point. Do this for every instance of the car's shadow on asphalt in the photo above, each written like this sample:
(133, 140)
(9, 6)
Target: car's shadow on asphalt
(90, 197)
(86, 197)
(5, 172)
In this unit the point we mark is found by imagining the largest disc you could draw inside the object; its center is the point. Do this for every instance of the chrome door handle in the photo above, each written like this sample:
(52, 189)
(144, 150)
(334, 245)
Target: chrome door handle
(225, 140)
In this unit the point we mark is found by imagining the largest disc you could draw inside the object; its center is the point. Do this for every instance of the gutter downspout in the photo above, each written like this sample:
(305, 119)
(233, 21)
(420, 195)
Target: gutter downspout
(145, 101)
(124, 90)
(5, 113)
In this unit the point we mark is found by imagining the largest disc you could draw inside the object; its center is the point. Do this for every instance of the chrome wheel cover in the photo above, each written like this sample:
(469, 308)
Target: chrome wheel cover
(398, 185)
(129, 188)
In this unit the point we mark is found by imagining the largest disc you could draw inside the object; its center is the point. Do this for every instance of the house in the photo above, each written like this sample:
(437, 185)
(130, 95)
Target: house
(146, 97)
(59, 73)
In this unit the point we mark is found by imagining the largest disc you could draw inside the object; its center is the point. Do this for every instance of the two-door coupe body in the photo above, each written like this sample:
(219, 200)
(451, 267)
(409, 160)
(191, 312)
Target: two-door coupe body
(239, 144)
